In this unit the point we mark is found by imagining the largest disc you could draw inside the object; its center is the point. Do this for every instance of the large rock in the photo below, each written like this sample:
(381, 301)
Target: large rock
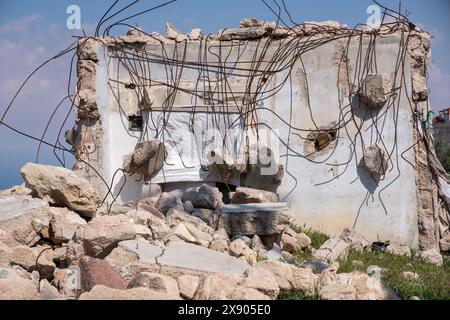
(47, 291)
(169, 201)
(239, 249)
(156, 282)
(376, 90)
(188, 285)
(338, 291)
(244, 195)
(205, 196)
(226, 287)
(375, 161)
(281, 271)
(98, 272)
(105, 293)
(175, 216)
(337, 248)
(60, 186)
(261, 280)
(242, 33)
(250, 219)
(398, 249)
(147, 159)
(64, 224)
(432, 256)
(206, 215)
(102, 234)
(23, 220)
(13, 286)
(366, 287)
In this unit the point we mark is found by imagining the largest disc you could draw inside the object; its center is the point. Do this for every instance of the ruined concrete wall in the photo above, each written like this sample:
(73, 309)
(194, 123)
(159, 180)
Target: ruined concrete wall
(326, 190)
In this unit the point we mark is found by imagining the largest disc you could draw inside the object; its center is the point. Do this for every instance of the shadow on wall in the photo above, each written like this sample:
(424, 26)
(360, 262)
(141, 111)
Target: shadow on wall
(361, 111)
(369, 182)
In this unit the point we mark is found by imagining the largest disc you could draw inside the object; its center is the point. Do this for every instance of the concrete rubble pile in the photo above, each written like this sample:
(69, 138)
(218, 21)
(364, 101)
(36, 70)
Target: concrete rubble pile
(174, 245)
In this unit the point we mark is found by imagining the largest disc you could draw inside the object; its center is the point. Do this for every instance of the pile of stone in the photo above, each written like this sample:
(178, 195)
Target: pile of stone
(58, 242)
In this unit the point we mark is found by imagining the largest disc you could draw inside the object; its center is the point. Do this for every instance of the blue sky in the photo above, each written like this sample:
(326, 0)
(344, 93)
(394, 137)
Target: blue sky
(32, 30)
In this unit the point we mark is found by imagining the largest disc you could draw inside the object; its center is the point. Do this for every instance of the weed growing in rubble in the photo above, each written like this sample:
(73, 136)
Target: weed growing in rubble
(317, 238)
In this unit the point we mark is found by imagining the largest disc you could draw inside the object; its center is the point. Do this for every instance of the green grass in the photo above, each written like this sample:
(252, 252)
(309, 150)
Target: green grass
(297, 296)
(317, 238)
(433, 282)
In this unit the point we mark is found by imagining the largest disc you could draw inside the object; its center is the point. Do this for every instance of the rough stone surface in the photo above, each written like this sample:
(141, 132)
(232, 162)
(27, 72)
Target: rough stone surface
(207, 215)
(367, 287)
(174, 217)
(64, 224)
(47, 291)
(281, 271)
(220, 245)
(420, 88)
(169, 201)
(304, 280)
(99, 272)
(102, 234)
(205, 197)
(375, 160)
(332, 250)
(445, 243)
(239, 249)
(105, 293)
(188, 285)
(23, 221)
(15, 287)
(147, 159)
(242, 33)
(289, 243)
(195, 34)
(251, 219)
(338, 291)
(183, 233)
(399, 249)
(219, 286)
(376, 90)
(337, 248)
(19, 190)
(60, 186)
(249, 195)
(156, 282)
(261, 280)
(432, 256)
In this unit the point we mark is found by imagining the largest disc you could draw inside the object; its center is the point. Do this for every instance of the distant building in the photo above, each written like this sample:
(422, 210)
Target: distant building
(441, 126)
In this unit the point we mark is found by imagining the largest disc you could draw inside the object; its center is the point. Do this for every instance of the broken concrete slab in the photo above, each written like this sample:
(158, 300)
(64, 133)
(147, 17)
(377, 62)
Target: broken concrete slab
(258, 218)
(185, 258)
(13, 206)
(23, 220)
(146, 252)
